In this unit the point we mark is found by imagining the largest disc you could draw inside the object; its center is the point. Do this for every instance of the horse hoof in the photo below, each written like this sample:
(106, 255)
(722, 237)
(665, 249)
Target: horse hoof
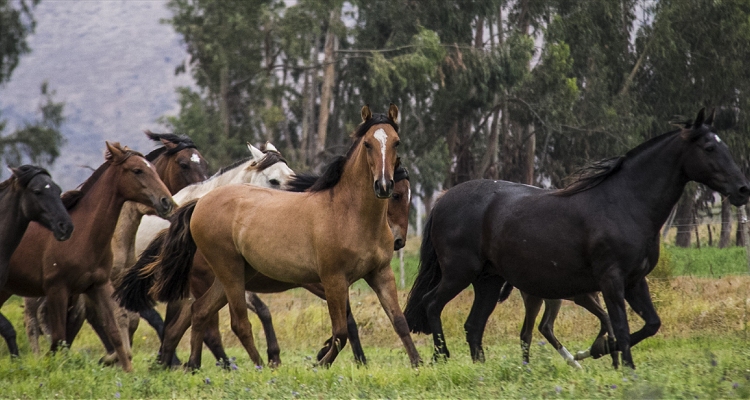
(109, 359)
(581, 355)
(574, 363)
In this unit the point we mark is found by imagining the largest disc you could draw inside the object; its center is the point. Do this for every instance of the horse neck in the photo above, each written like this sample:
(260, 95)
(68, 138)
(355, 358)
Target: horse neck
(198, 190)
(13, 223)
(161, 164)
(653, 180)
(355, 192)
(95, 217)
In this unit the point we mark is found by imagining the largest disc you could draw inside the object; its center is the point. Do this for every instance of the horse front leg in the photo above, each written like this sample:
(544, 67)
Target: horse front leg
(383, 283)
(351, 327)
(639, 298)
(336, 289)
(202, 309)
(9, 334)
(613, 291)
(532, 305)
(602, 345)
(177, 321)
(101, 297)
(57, 315)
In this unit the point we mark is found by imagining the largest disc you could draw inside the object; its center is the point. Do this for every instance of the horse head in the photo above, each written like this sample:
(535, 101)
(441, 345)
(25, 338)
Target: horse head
(40, 200)
(708, 160)
(267, 168)
(138, 180)
(179, 160)
(380, 142)
(398, 207)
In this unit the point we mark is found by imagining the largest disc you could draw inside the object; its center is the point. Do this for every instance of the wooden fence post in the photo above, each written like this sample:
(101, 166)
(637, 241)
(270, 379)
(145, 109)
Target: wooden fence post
(745, 237)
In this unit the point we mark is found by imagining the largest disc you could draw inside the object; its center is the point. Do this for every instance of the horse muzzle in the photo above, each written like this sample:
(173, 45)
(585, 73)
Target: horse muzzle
(739, 196)
(62, 230)
(164, 207)
(383, 188)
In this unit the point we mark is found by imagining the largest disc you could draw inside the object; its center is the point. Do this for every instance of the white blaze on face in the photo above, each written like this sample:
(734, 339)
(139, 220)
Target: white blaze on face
(382, 137)
(718, 139)
(147, 163)
(46, 186)
(194, 158)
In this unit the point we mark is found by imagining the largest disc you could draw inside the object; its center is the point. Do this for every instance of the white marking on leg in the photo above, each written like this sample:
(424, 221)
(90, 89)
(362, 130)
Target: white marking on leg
(194, 158)
(382, 137)
(583, 354)
(568, 357)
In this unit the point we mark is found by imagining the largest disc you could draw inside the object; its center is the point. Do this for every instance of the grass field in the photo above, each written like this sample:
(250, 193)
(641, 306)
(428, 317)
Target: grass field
(702, 350)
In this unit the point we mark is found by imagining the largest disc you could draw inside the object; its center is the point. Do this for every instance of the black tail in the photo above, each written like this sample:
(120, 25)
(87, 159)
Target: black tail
(505, 292)
(171, 268)
(132, 289)
(427, 279)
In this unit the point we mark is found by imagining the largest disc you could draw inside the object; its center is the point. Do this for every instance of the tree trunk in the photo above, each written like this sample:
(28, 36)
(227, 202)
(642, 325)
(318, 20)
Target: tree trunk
(326, 94)
(530, 146)
(224, 99)
(683, 220)
(726, 223)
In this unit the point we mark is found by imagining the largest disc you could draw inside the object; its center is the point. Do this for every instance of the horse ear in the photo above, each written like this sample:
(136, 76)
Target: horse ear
(114, 151)
(169, 145)
(700, 118)
(710, 119)
(257, 154)
(366, 113)
(393, 113)
(270, 147)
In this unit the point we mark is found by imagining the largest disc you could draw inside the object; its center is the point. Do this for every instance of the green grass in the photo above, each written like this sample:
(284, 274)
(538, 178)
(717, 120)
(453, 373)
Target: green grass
(708, 261)
(704, 367)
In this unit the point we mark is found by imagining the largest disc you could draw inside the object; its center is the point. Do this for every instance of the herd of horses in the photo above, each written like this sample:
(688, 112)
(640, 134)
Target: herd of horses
(154, 228)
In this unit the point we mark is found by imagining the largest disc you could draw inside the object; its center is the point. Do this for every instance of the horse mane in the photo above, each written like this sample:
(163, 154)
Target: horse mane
(182, 142)
(335, 169)
(271, 158)
(23, 175)
(71, 198)
(590, 176)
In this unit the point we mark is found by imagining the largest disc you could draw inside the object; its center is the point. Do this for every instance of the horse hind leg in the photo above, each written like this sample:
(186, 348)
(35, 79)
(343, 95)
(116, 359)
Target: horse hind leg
(532, 305)
(177, 321)
(547, 328)
(486, 293)
(31, 322)
(212, 339)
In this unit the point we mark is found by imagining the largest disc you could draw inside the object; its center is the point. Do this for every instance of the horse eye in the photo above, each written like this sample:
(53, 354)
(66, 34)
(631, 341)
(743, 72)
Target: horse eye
(137, 171)
(367, 145)
(396, 196)
(274, 182)
(184, 166)
(397, 144)
(710, 148)
(37, 191)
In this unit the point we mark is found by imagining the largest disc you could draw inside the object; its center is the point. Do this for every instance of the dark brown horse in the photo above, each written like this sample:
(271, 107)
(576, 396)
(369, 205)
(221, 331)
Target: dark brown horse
(178, 319)
(42, 266)
(339, 230)
(599, 234)
(28, 195)
(179, 164)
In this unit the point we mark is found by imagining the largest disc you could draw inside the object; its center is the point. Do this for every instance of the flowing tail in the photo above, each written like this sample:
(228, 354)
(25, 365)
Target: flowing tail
(428, 278)
(171, 268)
(132, 289)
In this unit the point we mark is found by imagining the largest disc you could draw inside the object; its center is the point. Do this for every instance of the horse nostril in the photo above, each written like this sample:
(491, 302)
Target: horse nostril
(398, 244)
(744, 190)
(165, 203)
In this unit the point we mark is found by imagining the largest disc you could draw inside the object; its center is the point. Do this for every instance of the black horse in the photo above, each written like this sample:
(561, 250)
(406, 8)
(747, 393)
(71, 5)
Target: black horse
(600, 233)
(29, 195)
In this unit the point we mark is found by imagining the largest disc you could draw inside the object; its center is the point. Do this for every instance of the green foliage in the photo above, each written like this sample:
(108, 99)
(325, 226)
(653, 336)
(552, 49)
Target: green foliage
(708, 261)
(39, 141)
(16, 23)
(665, 267)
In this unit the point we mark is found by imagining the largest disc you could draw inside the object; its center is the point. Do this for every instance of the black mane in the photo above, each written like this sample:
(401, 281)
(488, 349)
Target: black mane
(334, 170)
(23, 175)
(182, 142)
(597, 172)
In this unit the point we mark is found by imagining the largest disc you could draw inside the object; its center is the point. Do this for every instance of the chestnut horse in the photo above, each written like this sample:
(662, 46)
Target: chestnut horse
(42, 266)
(202, 277)
(339, 230)
(178, 164)
(28, 195)
(601, 233)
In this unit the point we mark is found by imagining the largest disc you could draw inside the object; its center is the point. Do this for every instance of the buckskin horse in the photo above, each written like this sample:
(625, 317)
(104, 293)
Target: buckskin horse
(28, 195)
(601, 233)
(339, 229)
(201, 278)
(41, 266)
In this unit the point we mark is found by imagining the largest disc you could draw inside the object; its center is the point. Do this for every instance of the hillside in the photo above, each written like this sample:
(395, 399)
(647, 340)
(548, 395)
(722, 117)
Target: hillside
(112, 63)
